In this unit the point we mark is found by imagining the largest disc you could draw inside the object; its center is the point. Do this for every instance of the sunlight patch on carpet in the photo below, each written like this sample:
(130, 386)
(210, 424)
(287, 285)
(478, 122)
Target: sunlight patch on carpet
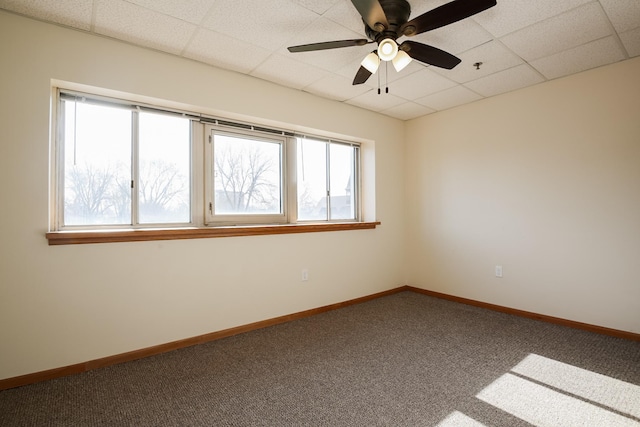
(458, 419)
(544, 407)
(618, 395)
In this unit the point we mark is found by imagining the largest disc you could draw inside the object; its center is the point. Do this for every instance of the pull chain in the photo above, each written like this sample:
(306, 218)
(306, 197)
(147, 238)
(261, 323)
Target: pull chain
(386, 76)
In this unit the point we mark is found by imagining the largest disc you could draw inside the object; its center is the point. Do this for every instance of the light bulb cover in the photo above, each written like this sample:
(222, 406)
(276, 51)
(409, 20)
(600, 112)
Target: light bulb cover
(401, 60)
(371, 62)
(387, 49)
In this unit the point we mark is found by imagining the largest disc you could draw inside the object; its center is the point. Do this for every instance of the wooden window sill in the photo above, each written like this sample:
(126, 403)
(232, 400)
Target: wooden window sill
(150, 234)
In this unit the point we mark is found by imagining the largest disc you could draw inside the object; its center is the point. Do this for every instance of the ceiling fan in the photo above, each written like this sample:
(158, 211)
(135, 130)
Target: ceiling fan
(387, 20)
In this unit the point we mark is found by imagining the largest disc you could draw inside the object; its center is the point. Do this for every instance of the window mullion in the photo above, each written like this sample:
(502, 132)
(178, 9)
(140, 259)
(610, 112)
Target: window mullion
(208, 174)
(60, 165)
(135, 168)
(292, 178)
(357, 176)
(328, 178)
(197, 180)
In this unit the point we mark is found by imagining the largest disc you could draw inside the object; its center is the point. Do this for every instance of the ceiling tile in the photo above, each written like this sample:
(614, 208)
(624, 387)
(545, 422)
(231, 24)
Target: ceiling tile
(494, 57)
(624, 14)
(73, 13)
(408, 111)
(322, 30)
(317, 6)
(193, 11)
(225, 52)
(562, 32)
(288, 72)
(631, 41)
(505, 81)
(559, 37)
(449, 98)
(345, 14)
(268, 24)
(511, 15)
(418, 7)
(420, 84)
(581, 58)
(371, 100)
(413, 67)
(138, 25)
(455, 38)
(350, 69)
(336, 87)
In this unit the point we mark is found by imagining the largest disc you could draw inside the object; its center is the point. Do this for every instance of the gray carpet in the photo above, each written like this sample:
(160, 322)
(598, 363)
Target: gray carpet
(402, 360)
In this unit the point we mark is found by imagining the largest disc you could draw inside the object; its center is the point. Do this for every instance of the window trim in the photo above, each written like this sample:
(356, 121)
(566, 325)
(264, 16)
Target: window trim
(198, 227)
(147, 234)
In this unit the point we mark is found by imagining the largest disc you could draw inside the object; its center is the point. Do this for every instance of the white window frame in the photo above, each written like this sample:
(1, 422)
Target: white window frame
(201, 183)
(357, 180)
(59, 164)
(211, 218)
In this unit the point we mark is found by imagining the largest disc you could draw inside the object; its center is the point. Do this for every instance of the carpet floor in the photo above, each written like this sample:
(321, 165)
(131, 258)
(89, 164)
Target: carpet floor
(402, 360)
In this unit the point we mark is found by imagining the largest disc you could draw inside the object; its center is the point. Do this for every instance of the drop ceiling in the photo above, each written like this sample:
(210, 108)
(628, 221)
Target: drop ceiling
(519, 43)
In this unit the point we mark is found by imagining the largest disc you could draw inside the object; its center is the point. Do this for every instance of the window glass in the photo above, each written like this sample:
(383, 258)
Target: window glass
(119, 164)
(97, 164)
(326, 189)
(247, 175)
(312, 180)
(164, 169)
(341, 171)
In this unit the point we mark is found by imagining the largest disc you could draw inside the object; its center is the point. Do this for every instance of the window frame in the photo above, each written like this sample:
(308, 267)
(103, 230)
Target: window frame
(200, 224)
(214, 219)
(357, 175)
(59, 163)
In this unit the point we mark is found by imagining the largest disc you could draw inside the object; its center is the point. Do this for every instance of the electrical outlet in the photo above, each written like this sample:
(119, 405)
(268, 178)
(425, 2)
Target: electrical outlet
(305, 275)
(498, 271)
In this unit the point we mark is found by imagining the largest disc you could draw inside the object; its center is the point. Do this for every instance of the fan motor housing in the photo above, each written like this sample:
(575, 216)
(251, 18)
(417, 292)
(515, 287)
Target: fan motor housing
(397, 12)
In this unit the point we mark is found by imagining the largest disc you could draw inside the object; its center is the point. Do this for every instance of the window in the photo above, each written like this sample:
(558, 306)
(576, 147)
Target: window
(123, 165)
(326, 187)
(246, 177)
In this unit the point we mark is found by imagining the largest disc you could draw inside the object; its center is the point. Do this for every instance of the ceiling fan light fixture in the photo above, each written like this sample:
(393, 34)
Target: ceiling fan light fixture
(371, 62)
(401, 60)
(387, 49)
(387, 20)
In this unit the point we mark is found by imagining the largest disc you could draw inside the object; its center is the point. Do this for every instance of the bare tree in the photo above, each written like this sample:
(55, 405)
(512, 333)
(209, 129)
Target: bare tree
(161, 187)
(121, 199)
(95, 195)
(243, 176)
(88, 192)
(308, 205)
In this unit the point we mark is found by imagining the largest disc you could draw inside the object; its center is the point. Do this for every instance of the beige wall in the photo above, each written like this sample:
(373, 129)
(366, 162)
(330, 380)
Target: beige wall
(61, 305)
(545, 182)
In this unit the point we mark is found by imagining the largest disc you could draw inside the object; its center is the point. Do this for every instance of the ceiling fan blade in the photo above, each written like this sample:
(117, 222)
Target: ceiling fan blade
(361, 76)
(372, 13)
(328, 45)
(430, 55)
(444, 15)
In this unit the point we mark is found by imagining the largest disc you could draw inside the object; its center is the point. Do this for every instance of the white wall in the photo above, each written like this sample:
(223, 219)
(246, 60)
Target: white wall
(544, 181)
(61, 305)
